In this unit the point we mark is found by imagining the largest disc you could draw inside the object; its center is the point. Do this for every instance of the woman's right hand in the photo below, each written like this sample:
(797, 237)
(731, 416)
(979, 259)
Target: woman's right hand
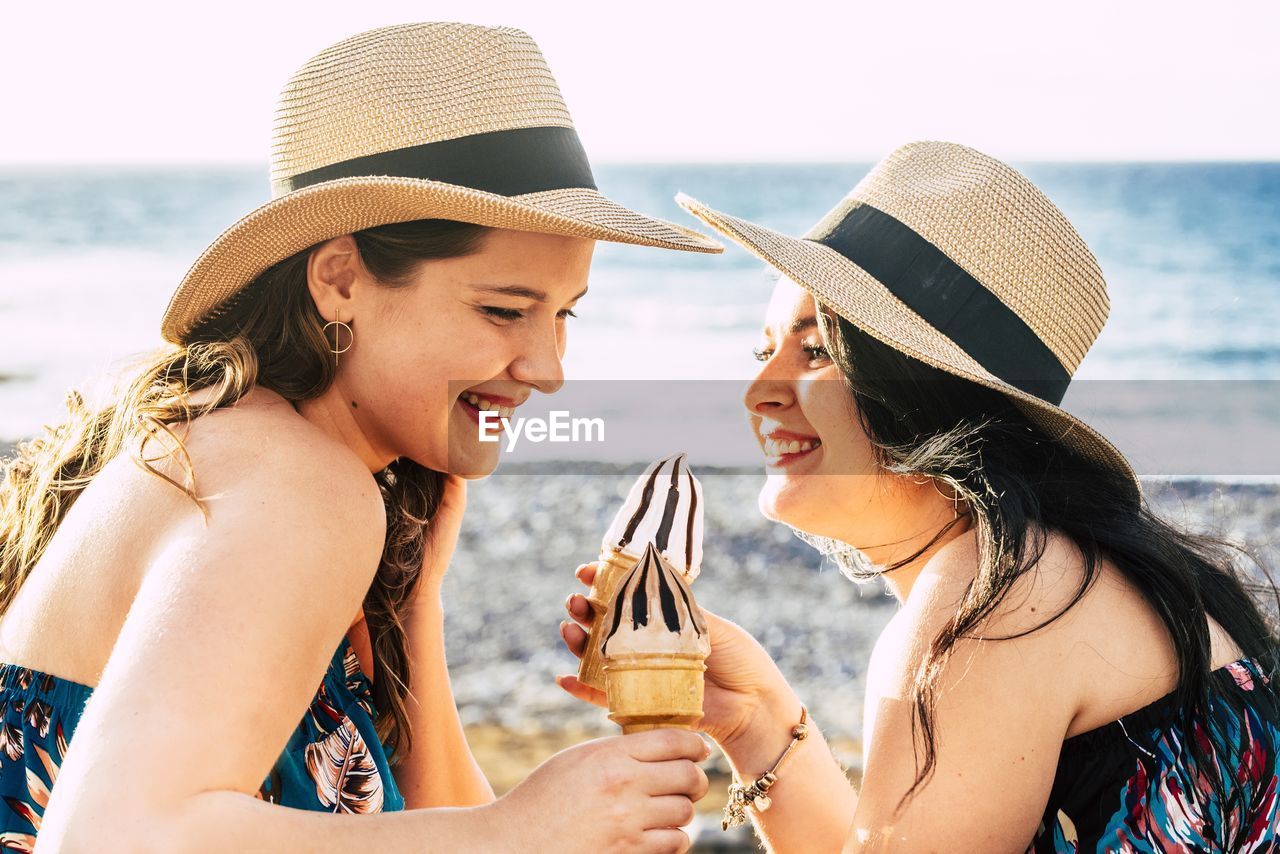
(623, 793)
(745, 693)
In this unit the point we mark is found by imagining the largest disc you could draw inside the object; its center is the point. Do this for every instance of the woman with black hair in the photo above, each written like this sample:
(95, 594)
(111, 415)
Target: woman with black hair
(1067, 671)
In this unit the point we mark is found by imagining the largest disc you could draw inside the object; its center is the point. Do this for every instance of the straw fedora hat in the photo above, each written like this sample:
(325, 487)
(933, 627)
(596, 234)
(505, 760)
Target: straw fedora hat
(957, 260)
(416, 121)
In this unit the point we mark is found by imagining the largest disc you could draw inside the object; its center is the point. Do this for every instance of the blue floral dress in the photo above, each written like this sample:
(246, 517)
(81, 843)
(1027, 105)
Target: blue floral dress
(1132, 785)
(333, 761)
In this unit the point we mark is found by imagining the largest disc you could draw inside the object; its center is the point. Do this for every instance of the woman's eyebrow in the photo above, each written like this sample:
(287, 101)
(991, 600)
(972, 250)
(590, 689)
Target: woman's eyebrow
(514, 291)
(803, 324)
(521, 291)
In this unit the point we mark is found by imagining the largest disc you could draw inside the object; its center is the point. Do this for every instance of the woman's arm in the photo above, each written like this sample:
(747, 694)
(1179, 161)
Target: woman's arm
(1003, 708)
(230, 821)
(813, 802)
(219, 657)
(626, 793)
(439, 770)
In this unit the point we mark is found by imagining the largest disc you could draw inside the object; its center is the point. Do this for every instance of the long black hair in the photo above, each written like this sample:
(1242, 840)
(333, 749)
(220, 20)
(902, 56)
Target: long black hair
(1019, 485)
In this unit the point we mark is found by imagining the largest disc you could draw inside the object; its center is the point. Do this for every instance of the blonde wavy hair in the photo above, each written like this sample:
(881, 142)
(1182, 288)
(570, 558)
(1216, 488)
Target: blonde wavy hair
(270, 334)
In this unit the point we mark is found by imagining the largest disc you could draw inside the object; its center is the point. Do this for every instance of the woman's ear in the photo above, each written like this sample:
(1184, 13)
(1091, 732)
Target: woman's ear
(332, 268)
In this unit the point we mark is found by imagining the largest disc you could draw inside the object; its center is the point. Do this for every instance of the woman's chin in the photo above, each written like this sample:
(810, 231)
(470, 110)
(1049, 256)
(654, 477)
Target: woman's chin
(473, 463)
(784, 500)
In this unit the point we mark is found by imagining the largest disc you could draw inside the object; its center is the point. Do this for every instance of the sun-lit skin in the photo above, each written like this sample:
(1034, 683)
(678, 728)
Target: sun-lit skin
(835, 489)
(490, 324)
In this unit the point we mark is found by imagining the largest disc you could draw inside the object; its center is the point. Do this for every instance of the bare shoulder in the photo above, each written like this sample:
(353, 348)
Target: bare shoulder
(1026, 638)
(237, 617)
(261, 429)
(1067, 649)
(274, 489)
(1086, 642)
(1000, 709)
(261, 450)
(1054, 582)
(273, 485)
(1053, 587)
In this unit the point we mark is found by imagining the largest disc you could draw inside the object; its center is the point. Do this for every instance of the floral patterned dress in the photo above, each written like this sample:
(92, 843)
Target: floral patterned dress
(1127, 786)
(333, 761)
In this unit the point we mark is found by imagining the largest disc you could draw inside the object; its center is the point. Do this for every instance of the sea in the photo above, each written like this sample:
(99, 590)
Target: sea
(1191, 252)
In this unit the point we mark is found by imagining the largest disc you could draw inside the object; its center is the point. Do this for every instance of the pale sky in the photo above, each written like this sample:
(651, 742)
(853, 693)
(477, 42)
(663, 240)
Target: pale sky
(684, 80)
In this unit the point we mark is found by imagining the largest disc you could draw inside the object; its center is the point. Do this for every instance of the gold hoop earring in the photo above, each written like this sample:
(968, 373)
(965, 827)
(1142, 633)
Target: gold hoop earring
(351, 337)
(954, 499)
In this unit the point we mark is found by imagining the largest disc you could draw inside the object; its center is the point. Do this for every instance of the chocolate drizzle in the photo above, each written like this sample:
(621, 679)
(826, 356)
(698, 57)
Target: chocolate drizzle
(663, 538)
(672, 504)
(652, 587)
(639, 601)
(617, 616)
(670, 615)
(693, 514)
(645, 498)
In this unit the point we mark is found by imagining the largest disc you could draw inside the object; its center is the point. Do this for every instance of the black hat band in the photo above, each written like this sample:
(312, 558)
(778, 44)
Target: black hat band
(950, 300)
(504, 162)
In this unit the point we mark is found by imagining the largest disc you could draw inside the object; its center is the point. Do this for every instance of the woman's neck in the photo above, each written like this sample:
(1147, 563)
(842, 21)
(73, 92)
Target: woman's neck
(901, 580)
(330, 413)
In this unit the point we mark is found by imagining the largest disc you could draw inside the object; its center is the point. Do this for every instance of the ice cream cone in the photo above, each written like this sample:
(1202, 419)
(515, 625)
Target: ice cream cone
(611, 569)
(648, 691)
(663, 508)
(655, 645)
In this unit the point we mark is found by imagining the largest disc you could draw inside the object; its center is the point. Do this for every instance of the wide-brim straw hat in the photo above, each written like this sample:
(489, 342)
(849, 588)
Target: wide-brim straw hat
(416, 121)
(959, 261)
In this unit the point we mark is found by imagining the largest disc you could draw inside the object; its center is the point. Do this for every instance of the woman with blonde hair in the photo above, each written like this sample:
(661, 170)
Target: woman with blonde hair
(1067, 671)
(269, 503)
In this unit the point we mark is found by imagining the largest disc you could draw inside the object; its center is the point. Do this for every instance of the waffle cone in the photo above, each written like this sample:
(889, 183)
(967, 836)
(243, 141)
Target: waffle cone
(654, 690)
(613, 566)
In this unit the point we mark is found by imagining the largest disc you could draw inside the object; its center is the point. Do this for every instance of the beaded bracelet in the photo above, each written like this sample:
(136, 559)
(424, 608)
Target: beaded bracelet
(756, 795)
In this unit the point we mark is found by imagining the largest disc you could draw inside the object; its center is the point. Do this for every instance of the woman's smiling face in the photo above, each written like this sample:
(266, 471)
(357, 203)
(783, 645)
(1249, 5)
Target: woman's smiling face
(478, 331)
(822, 473)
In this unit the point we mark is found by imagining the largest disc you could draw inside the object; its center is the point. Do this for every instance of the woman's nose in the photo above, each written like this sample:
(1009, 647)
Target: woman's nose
(770, 390)
(539, 361)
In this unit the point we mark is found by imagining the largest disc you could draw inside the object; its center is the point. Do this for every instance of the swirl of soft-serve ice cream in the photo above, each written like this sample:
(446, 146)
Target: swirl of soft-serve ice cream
(654, 612)
(664, 507)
